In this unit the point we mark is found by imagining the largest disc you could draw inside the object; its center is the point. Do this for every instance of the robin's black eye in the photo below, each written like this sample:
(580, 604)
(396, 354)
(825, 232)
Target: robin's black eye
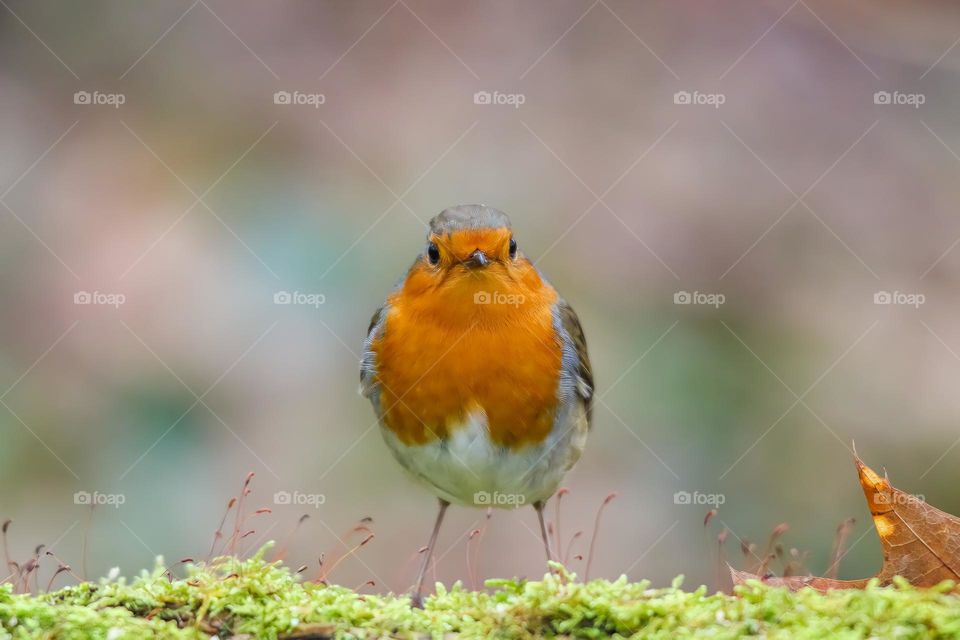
(513, 248)
(433, 254)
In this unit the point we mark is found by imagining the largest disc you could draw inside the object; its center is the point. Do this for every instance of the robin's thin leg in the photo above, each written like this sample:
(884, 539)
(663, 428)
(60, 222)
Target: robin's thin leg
(417, 598)
(539, 505)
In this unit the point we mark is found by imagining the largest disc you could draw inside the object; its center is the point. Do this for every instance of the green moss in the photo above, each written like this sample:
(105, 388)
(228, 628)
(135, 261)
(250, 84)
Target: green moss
(259, 599)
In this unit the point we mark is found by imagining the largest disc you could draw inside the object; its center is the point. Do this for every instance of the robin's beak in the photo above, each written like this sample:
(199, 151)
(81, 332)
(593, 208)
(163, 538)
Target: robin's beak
(477, 259)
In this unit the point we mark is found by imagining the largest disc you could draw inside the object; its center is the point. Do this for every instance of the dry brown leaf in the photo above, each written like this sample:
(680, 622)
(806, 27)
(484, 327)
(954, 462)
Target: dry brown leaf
(920, 543)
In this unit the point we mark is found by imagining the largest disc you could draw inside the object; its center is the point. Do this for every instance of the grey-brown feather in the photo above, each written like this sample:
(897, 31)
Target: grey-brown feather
(468, 216)
(584, 373)
(368, 365)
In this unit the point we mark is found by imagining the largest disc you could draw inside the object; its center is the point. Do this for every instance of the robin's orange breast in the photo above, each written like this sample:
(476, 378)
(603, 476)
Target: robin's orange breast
(440, 361)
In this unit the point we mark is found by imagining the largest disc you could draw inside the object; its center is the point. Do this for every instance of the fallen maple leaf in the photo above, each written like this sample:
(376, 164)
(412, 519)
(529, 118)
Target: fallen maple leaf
(920, 542)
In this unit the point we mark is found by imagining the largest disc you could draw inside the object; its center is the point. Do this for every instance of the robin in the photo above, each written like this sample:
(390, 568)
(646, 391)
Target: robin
(478, 372)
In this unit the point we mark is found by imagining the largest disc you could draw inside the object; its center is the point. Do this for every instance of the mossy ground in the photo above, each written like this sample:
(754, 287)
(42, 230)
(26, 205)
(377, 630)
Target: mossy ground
(258, 599)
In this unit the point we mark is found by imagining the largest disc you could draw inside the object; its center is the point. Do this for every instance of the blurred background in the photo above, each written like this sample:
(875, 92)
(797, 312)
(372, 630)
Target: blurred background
(173, 173)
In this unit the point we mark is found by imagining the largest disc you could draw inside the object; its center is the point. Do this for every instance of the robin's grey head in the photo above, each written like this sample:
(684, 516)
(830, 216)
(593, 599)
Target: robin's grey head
(471, 236)
(468, 216)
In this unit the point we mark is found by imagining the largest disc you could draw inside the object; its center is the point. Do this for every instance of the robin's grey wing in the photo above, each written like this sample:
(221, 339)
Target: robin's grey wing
(369, 386)
(576, 360)
(368, 362)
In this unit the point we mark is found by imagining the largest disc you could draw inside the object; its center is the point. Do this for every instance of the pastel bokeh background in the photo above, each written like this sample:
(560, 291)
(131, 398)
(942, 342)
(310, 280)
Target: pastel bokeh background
(800, 199)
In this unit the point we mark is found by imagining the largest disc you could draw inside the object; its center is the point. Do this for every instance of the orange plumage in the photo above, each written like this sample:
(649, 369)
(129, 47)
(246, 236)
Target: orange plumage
(444, 354)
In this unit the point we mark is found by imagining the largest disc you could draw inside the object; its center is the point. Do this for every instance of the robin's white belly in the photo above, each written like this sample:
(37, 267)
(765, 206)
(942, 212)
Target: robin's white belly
(468, 469)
